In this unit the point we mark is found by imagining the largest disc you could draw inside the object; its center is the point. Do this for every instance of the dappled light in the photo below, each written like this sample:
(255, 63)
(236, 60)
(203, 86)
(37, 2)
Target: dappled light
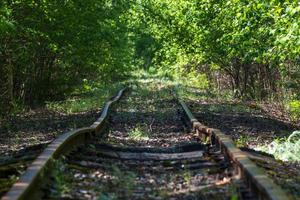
(150, 99)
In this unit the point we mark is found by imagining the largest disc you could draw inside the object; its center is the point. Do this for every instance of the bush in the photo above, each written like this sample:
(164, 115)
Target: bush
(197, 80)
(284, 149)
(294, 109)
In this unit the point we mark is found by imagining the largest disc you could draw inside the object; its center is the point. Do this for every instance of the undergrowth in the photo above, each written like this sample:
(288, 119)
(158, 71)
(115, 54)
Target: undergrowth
(122, 184)
(88, 98)
(138, 133)
(286, 149)
(61, 185)
(293, 108)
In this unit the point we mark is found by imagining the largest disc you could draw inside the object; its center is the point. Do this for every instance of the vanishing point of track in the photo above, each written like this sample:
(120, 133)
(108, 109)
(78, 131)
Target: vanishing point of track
(177, 158)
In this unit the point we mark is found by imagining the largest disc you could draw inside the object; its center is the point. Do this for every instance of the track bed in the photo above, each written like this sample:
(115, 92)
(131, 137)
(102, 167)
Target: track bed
(147, 152)
(148, 146)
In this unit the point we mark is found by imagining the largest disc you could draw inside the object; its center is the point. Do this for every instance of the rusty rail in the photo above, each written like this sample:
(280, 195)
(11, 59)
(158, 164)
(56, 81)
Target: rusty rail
(24, 188)
(255, 177)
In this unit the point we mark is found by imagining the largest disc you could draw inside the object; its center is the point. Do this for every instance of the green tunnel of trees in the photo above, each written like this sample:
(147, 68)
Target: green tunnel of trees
(49, 47)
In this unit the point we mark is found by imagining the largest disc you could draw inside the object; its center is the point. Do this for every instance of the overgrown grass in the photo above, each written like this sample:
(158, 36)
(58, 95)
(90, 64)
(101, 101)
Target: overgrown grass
(286, 149)
(86, 99)
(242, 141)
(61, 185)
(293, 108)
(188, 92)
(138, 133)
(229, 108)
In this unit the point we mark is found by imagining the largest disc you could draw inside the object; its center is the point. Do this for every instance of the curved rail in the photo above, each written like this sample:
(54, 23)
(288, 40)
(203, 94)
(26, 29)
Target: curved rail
(255, 177)
(64, 143)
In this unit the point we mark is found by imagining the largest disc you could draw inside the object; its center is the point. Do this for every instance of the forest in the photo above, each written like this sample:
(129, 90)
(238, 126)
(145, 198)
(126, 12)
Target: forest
(249, 48)
(63, 58)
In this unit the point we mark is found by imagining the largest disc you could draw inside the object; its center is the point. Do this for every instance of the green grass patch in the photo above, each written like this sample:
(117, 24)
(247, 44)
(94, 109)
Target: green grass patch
(293, 108)
(286, 149)
(191, 93)
(229, 108)
(138, 133)
(242, 141)
(195, 92)
(87, 99)
(61, 184)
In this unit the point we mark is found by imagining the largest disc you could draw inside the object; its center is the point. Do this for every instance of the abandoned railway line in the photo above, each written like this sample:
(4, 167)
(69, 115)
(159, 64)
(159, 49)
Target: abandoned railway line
(145, 145)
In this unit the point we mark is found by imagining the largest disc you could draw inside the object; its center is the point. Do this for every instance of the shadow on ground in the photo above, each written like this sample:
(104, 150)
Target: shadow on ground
(240, 121)
(39, 126)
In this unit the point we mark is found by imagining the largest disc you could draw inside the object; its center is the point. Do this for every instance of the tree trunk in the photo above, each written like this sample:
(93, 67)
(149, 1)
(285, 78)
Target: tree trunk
(6, 82)
(10, 83)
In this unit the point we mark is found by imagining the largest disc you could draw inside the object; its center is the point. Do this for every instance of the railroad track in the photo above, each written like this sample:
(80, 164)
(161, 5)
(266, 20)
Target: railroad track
(146, 146)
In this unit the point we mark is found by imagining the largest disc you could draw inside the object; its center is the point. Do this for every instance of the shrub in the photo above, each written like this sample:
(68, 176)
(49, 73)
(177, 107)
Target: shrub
(287, 149)
(294, 109)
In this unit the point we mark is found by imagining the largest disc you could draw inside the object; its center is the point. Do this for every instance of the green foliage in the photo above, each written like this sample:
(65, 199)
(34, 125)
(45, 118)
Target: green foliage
(242, 141)
(61, 186)
(87, 98)
(249, 47)
(195, 79)
(286, 149)
(234, 190)
(294, 109)
(252, 42)
(138, 133)
(187, 176)
(51, 46)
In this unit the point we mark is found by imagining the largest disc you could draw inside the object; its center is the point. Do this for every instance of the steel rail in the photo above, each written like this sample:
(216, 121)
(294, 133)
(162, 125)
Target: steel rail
(24, 188)
(255, 177)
